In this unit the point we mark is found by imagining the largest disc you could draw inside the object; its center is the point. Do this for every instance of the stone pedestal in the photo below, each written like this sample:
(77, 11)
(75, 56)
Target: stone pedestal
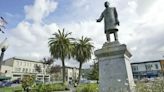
(115, 72)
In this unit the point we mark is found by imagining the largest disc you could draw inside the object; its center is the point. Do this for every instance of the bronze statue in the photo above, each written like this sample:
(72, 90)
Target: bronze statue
(111, 21)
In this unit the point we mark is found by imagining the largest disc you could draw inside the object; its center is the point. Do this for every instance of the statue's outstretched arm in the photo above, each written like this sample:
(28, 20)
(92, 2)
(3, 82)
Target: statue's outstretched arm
(101, 17)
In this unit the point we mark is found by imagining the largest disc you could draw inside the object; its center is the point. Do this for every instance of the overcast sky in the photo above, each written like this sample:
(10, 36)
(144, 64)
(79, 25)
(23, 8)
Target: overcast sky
(32, 22)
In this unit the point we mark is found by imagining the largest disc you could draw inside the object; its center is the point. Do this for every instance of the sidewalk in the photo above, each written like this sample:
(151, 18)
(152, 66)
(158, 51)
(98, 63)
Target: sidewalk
(72, 89)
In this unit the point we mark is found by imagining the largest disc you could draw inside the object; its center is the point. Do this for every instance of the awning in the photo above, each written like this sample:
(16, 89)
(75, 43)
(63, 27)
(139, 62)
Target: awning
(4, 78)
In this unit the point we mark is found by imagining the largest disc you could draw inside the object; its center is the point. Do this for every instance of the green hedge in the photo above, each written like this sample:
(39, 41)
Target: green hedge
(47, 88)
(10, 89)
(87, 88)
(155, 86)
(51, 87)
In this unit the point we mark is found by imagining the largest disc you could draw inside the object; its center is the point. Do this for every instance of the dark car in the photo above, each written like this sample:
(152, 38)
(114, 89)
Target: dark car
(5, 83)
(17, 81)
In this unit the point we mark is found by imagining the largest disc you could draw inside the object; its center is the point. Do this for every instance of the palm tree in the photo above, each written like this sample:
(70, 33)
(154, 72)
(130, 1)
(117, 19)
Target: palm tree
(82, 52)
(61, 47)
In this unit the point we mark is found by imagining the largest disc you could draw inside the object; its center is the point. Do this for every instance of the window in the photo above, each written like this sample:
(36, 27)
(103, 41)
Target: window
(156, 66)
(17, 62)
(26, 70)
(17, 69)
(29, 70)
(28, 64)
(33, 70)
(5, 71)
(24, 63)
(23, 70)
(148, 66)
(35, 65)
(135, 68)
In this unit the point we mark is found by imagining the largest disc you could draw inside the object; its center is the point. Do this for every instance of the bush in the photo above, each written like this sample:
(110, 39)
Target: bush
(87, 88)
(51, 87)
(18, 91)
(27, 81)
(156, 86)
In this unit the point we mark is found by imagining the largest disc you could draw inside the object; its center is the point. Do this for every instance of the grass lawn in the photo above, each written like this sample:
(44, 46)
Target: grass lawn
(9, 89)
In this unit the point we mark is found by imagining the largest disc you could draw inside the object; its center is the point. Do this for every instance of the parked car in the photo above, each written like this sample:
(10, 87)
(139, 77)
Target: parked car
(5, 83)
(17, 81)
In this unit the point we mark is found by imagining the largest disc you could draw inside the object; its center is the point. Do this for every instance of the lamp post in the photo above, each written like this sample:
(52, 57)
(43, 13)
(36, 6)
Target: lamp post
(3, 45)
(3, 49)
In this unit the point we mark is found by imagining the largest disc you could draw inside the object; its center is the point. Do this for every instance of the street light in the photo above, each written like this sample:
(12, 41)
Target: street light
(3, 48)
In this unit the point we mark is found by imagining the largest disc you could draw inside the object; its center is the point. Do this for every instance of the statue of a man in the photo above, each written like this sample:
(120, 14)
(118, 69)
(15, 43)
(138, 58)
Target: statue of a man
(111, 21)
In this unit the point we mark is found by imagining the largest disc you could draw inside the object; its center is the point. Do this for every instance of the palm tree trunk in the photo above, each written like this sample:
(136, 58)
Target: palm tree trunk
(80, 66)
(63, 64)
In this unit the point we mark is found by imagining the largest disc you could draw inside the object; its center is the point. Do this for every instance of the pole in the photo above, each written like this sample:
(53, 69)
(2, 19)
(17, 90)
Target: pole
(2, 55)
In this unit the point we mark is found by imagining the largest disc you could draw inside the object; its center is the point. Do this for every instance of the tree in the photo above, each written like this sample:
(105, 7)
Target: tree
(55, 70)
(94, 74)
(46, 66)
(27, 81)
(38, 68)
(48, 61)
(82, 52)
(60, 47)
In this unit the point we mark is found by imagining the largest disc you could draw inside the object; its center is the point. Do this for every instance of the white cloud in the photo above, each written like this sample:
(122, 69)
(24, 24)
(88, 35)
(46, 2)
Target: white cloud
(142, 34)
(154, 15)
(40, 9)
(30, 39)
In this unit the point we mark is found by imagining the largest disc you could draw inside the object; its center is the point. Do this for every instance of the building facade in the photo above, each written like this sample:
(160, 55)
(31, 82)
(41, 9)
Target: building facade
(19, 67)
(71, 73)
(147, 69)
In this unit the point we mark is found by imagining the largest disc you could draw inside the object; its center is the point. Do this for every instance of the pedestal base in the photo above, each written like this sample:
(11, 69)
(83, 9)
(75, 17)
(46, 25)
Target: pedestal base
(115, 72)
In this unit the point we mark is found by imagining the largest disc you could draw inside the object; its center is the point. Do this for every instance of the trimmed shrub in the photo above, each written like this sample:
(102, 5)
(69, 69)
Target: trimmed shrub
(27, 81)
(156, 86)
(87, 88)
(51, 87)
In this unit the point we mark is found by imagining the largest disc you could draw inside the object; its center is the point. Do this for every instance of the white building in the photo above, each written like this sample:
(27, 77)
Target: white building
(19, 67)
(72, 73)
(146, 69)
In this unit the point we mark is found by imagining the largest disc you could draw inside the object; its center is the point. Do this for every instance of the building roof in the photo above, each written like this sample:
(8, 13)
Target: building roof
(152, 61)
(23, 59)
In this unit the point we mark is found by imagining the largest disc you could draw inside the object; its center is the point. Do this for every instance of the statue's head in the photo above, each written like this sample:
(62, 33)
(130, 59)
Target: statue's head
(106, 4)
